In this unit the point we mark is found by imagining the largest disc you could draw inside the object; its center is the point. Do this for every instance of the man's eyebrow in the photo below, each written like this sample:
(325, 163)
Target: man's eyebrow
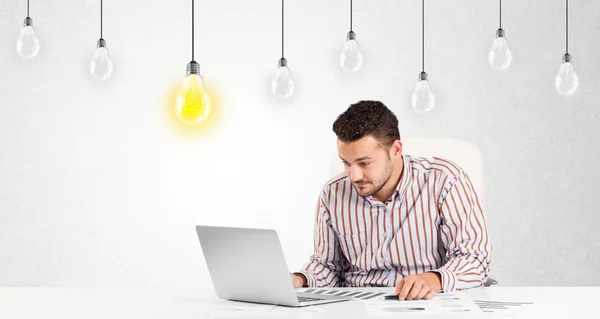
(358, 159)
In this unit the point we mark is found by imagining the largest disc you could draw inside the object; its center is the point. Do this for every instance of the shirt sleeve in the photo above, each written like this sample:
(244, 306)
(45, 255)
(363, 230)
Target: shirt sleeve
(327, 264)
(464, 236)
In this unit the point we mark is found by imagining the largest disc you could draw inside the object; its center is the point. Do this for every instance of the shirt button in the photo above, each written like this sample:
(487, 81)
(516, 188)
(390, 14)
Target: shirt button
(384, 234)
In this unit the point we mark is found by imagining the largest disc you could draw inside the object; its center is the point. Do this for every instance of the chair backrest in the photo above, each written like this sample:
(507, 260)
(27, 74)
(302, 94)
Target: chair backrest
(463, 153)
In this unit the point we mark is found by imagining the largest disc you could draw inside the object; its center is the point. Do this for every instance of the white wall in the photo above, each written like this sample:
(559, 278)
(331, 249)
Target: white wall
(100, 187)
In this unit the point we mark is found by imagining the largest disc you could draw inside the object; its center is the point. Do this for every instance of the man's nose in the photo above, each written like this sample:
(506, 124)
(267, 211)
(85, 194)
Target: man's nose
(355, 174)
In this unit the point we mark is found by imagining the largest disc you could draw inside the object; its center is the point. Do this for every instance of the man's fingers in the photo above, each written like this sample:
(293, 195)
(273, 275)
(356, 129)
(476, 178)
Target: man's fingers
(408, 284)
(430, 295)
(424, 291)
(414, 292)
(399, 286)
(414, 288)
(296, 280)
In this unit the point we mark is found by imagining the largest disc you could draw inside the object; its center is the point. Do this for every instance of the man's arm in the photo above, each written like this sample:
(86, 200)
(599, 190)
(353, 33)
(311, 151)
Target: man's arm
(465, 238)
(328, 262)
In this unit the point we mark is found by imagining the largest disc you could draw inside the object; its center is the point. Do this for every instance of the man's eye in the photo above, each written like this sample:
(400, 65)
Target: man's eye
(346, 163)
(364, 164)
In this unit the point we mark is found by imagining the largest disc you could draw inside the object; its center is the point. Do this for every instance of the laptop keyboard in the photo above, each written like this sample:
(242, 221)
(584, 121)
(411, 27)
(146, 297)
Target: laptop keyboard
(305, 299)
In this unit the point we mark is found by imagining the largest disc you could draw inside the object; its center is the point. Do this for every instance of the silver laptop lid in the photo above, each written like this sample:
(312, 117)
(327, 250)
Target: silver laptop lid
(247, 265)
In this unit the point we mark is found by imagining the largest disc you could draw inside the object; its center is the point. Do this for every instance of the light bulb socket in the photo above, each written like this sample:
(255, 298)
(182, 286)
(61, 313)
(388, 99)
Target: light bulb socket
(351, 35)
(500, 33)
(28, 22)
(193, 68)
(282, 62)
(101, 43)
(423, 76)
(566, 58)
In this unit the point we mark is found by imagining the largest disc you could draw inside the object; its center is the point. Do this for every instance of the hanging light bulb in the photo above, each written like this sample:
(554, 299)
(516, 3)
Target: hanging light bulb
(566, 81)
(28, 45)
(500, 56)
(423, 99)
(192, 105)
(282, 84)
(193, 102)
(101, 66)
(351, 58)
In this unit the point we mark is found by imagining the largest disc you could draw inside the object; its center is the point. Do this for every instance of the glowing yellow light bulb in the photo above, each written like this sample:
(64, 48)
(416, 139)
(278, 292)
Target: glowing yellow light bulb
(193, 103)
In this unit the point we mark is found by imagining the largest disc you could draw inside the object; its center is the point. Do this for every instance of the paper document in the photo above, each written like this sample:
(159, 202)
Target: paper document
(447, 303)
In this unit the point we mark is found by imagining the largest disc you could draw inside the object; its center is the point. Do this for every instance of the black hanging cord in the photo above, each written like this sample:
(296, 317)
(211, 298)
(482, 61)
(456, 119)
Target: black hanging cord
(100, 19)
(423, 35)
(500, 13)
(567, 29)
(192, 30)
(350, 15)
(28, 8)
(282, 22)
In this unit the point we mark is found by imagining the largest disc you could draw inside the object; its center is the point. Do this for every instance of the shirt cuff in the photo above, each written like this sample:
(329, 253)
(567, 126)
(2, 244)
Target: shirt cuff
(448, 279)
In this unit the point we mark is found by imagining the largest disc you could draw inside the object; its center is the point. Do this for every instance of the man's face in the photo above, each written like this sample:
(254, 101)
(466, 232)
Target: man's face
(367, 164)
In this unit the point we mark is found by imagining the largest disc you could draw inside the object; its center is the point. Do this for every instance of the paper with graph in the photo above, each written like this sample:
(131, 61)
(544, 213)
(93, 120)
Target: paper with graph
(443, 303)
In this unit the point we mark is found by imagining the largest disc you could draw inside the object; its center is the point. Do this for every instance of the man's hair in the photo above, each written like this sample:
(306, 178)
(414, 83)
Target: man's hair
(367, 118)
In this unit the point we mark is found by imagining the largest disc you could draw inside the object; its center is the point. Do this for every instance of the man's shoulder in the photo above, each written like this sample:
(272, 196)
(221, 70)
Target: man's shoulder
(340, 178)
(335, 181)
(429, 164)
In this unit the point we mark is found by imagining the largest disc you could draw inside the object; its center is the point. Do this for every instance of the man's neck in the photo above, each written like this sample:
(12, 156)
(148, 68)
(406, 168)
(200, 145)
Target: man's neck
(389, 187)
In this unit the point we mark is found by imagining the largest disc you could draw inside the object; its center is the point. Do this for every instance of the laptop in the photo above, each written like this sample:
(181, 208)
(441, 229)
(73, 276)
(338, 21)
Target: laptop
(248, 265)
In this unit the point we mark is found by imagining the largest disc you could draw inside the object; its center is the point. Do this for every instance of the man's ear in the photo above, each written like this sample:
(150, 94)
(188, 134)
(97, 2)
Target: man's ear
(396, 148)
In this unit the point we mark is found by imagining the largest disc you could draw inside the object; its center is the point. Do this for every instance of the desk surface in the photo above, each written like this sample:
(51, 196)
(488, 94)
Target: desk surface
(84, 303)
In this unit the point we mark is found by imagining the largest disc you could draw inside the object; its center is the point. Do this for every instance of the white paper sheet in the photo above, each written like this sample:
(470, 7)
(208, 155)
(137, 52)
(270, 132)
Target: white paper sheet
(452, 303)
(507, 308)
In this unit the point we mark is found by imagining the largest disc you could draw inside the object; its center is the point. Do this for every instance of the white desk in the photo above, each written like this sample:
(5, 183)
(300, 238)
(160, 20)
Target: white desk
(81, 303)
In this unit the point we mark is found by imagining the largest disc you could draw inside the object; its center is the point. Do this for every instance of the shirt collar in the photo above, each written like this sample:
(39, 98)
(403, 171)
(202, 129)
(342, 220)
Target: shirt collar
(406, 176)
(403, 182)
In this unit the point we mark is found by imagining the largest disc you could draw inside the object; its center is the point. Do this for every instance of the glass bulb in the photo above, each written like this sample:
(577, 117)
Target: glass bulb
(566, 81)
(28, 45)
(101, 66)
(351, 58)
(500, 56)
(282, 84)
(422, 98)
(193, 103)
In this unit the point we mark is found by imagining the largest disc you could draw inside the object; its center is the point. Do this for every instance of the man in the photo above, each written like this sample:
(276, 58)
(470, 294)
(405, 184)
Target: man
(392, 219)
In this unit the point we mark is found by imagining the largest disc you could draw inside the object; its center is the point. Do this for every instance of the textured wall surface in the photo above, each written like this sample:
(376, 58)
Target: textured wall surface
(100, 187)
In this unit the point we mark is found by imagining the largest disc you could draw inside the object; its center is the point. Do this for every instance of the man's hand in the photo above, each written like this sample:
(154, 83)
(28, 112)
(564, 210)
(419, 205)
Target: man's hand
(416, 287)
(298, 281)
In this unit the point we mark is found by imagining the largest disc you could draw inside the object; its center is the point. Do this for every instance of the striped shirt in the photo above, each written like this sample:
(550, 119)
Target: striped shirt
(433, 222)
